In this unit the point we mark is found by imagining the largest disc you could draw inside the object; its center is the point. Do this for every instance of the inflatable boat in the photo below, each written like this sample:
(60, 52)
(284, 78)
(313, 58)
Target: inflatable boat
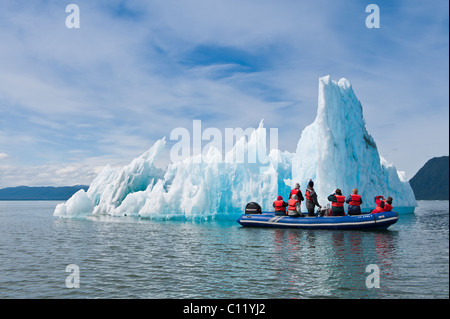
(363, 221)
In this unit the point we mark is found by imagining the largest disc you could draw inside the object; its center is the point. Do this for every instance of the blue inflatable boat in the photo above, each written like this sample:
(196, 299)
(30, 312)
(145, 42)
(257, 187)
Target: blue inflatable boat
(363, 221)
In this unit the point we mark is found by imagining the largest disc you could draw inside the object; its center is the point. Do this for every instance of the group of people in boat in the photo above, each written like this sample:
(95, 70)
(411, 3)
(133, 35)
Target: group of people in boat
(354, 201)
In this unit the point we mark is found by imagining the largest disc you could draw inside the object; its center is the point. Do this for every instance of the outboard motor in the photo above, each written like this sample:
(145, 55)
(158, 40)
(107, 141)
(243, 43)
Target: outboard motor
(252, 208)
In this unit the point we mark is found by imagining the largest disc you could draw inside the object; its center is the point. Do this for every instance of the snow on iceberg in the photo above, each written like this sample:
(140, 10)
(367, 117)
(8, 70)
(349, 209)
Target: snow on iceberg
(336, 151)
(190, 188)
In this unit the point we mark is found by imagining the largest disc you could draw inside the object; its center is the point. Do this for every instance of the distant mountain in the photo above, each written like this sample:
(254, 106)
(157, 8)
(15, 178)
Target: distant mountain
(432, 180)
(40, 193)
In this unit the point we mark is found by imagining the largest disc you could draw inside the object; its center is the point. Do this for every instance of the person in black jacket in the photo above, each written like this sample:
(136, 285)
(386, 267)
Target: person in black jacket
(311, 198)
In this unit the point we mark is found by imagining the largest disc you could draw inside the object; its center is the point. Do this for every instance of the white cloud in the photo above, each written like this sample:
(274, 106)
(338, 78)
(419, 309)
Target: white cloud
(3, 156)
(49, 174)
(114, 86)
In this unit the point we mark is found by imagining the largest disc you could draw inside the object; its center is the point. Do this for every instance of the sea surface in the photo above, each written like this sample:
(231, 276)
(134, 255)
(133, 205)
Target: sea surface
(42, 256)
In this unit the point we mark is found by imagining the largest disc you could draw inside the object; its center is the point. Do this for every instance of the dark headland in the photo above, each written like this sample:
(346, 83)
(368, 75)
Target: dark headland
(431, 182)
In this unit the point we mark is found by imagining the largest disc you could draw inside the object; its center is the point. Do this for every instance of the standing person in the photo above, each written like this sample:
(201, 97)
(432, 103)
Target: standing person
(280, 206)
(337, 203)
(294, 209)
(311, 198)
(297, 191)
(354, 202)
(383, 205)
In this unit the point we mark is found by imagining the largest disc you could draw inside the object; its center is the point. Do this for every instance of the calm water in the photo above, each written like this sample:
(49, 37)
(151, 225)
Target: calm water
(132, 258)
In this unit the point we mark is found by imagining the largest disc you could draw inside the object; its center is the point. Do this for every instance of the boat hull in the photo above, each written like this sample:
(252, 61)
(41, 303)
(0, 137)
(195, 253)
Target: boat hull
(364, 221)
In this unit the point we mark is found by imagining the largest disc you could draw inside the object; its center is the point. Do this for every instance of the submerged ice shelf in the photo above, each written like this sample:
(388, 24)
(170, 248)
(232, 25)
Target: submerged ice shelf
(340, 154)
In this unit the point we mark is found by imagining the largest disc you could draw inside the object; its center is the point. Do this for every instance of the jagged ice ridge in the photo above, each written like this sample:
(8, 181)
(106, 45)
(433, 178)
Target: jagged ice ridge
(336, 151)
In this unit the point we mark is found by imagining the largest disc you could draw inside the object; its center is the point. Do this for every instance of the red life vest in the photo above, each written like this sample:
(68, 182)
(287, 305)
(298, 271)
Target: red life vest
(340, 201)
(379, 209)
(308, 195)
(294, 192)
(387, 207)
(279, 206)
(292, 203)
(356, 200)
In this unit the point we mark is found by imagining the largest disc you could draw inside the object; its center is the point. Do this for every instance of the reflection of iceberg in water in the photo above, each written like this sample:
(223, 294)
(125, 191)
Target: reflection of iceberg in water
(335, 151)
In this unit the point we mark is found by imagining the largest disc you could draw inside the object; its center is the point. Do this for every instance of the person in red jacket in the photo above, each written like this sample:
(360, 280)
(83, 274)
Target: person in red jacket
(280, 206)
(337, 203)
(383, 205)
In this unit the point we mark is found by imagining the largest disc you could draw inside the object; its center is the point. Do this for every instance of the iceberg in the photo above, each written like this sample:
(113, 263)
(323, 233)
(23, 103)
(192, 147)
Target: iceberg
(195, 187)
(335, 151)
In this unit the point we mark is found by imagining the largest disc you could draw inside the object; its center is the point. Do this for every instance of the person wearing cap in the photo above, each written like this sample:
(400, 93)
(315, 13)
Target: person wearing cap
(311, 198)
(280, 206)
(297, 191)
(337, 203)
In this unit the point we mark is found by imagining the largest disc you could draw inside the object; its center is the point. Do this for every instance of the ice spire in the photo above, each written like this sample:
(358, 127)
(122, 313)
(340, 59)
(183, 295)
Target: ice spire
(336, 151)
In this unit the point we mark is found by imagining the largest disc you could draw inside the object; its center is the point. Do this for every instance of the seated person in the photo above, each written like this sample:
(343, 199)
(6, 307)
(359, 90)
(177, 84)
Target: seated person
(280, 206)
(294, 209)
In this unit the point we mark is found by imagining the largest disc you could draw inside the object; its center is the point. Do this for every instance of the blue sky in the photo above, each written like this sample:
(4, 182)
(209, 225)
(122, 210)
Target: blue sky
(74, 100)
